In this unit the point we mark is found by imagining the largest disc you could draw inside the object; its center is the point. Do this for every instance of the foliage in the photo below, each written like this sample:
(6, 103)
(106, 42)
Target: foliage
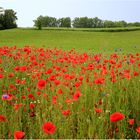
(136, 24)
(39, 22)
(85, 22)
(1, 21)
(46, 21)
(110, 24)
(8, 19)
(64, 22)
(82, 22)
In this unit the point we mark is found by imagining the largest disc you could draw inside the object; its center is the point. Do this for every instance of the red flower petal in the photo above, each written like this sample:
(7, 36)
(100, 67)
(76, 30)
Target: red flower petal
(117, 116)
(49, 128)
(19, 135)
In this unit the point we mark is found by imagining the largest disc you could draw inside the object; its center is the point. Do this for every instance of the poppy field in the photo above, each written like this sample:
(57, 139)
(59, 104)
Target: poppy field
(65, 94)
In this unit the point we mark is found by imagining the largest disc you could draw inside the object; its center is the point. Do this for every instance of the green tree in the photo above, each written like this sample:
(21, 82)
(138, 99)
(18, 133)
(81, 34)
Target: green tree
(64, 22)
(137, 24)
(76, 22)
(97, 23)
(120, 23)
(45, 21)
(38, 22)
(85, 22)
(1, 21)
(82, 22)
(9, 19)
(109, 24)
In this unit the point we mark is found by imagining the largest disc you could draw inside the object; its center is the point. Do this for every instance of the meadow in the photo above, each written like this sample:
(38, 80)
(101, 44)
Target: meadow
(69, 84)
(106, 42)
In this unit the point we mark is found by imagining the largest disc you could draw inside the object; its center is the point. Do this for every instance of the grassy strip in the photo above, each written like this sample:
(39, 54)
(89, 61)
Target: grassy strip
(96, 29)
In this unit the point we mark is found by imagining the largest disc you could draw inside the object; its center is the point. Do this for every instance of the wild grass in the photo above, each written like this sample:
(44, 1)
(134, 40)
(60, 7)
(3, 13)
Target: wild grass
(106, 42)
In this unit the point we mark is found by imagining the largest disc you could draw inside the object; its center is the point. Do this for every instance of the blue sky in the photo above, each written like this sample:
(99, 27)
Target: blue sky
(28, 10)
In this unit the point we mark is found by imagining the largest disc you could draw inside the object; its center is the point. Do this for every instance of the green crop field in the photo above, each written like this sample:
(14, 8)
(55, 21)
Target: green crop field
(81, 40)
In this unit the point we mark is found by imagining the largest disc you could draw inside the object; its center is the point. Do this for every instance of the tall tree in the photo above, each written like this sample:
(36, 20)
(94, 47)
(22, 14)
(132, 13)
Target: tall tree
(120, 23)
(8, 19)
(1, 18)
(76, 22)
(38, 22)
(109, 24)
(64, 22)
(1, 22)
(82, 22)
(45, 21)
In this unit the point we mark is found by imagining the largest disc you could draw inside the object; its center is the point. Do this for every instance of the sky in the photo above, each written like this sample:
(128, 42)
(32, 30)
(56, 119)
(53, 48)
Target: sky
(115, 10)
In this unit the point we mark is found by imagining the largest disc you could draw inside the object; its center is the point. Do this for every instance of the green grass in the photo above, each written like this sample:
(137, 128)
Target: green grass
(80, 40)
(117, 29)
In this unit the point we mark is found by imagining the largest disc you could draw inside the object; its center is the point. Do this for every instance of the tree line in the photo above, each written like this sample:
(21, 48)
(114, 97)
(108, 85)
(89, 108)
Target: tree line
(7, 19)
(80, 22)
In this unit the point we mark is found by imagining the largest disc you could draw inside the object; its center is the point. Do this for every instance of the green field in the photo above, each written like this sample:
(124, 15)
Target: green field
(67, 39)
(69, 94)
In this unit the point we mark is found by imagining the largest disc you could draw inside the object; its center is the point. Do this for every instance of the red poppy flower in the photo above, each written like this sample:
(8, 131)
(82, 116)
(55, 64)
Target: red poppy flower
(19, 135)
(17, 68)
(23, 68)
(57, 82)
(54, 98)
(52, 77)
(60, 91)
(66, 112)
(31, 96)
(77, 84)
(98, 110)
(117, 116)
(2, 118)
(131, 121)
(32, 105)
(11, 75)
(23, 97)
(76, 95)
(49, 128)
(138, 129)
(41, 84)
(1, 76)
(81, 78)
(99, 81)
(49, 71)
(38, 93)
(136, 73)
(18, 81)
(90, 67)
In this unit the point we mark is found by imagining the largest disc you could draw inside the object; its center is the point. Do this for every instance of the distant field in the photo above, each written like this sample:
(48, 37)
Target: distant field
(81, 39)
(118, 29)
